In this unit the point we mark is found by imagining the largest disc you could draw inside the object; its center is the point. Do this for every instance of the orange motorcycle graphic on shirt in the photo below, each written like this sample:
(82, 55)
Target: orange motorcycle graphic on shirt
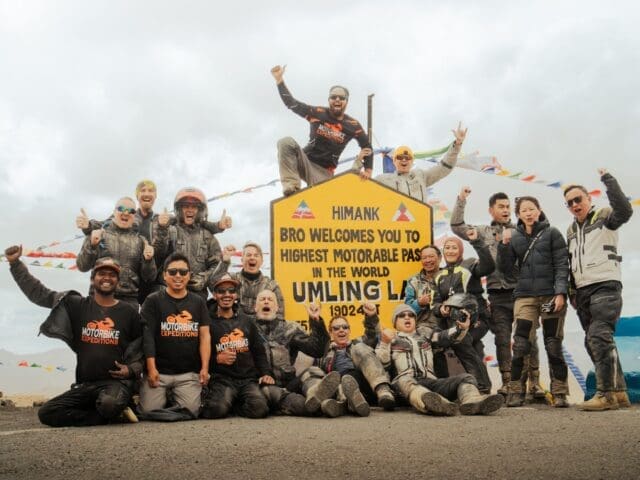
(101, 332)
(180, 324)
(234, 341)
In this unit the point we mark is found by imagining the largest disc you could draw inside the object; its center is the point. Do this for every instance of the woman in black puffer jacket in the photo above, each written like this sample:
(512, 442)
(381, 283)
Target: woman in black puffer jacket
(537, 254)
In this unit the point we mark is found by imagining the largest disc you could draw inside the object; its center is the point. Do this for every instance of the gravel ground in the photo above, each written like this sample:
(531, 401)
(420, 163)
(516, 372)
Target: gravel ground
(530, 442)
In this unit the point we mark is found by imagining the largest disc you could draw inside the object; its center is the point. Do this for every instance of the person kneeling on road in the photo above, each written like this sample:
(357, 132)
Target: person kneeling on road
(410, 353)
(240, 364)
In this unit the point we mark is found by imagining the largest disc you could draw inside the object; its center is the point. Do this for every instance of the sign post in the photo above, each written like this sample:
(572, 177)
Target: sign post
(344, 242)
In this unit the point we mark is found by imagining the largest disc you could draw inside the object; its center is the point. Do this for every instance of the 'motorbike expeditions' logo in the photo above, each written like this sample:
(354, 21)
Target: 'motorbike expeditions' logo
(234, 340)
(101, 332)
(179, 325)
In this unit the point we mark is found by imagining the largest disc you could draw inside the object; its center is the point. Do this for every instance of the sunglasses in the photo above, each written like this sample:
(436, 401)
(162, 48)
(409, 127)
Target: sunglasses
(174, 271)
(577, 200)
(123, 209)
(407, 314)
(337, 328)
(403, 157)
(226, 290)
(337, 97)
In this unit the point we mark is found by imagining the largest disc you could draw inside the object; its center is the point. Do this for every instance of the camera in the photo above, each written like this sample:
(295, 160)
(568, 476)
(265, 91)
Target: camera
(548, 307)
(458, 315)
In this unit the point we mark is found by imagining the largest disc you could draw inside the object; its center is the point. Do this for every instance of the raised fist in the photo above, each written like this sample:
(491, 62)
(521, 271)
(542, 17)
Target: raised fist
(13, 253)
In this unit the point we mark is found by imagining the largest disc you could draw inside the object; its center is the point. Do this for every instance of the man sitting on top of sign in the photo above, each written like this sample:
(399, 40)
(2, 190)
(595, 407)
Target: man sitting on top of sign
(415, 182)
(331, 130)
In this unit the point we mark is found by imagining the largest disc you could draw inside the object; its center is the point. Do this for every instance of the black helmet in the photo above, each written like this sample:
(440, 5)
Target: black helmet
(463, 301)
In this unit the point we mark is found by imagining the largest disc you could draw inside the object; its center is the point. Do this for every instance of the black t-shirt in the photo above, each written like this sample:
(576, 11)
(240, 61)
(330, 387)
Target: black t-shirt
(171, 331)
(240, 334)
(100, 335)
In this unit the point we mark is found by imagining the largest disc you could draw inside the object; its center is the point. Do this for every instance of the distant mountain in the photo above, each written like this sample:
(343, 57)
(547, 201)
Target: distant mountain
(43, 378)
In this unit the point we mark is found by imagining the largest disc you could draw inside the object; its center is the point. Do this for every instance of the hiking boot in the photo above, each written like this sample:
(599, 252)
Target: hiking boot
(560, 401)
(516, 395)
(504, 389)
(472, 402)
(322, 390)
(129, 416)
(623, 399)
(438, 405)
(535, 390)
(355, 400)
(333, 408)
(601, 401)
(385, 396)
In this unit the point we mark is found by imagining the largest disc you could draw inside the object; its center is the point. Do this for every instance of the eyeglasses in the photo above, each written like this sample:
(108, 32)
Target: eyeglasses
(577, 200)
(406, 314)
(174, 271)
(337, 97)
(337, 328)
(123, 209)
(222, 291)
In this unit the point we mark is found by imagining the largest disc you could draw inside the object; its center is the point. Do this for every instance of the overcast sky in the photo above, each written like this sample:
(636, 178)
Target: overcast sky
(95, 96)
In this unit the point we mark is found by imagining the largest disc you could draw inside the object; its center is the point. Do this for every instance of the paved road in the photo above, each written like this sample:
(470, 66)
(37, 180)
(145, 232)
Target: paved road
(530, 442)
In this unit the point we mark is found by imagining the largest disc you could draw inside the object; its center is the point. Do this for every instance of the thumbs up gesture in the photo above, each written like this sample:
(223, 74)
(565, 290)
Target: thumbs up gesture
(82, 220)
(163, 218)
(225, 221)
(147, 252)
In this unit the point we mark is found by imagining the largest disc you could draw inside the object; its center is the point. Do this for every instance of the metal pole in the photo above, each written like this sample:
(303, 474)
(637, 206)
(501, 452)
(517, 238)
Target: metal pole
(370, 117)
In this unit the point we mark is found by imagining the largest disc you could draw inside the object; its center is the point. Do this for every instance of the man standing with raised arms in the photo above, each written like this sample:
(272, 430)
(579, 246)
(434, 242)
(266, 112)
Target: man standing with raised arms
(330, 131)
(596, 290)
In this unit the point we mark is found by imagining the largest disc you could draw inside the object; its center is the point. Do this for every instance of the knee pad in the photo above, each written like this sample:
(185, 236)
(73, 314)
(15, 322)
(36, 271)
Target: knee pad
(550, 327)
(523, 328)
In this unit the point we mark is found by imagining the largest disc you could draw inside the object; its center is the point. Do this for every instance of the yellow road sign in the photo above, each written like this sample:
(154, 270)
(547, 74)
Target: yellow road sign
(344, 242)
